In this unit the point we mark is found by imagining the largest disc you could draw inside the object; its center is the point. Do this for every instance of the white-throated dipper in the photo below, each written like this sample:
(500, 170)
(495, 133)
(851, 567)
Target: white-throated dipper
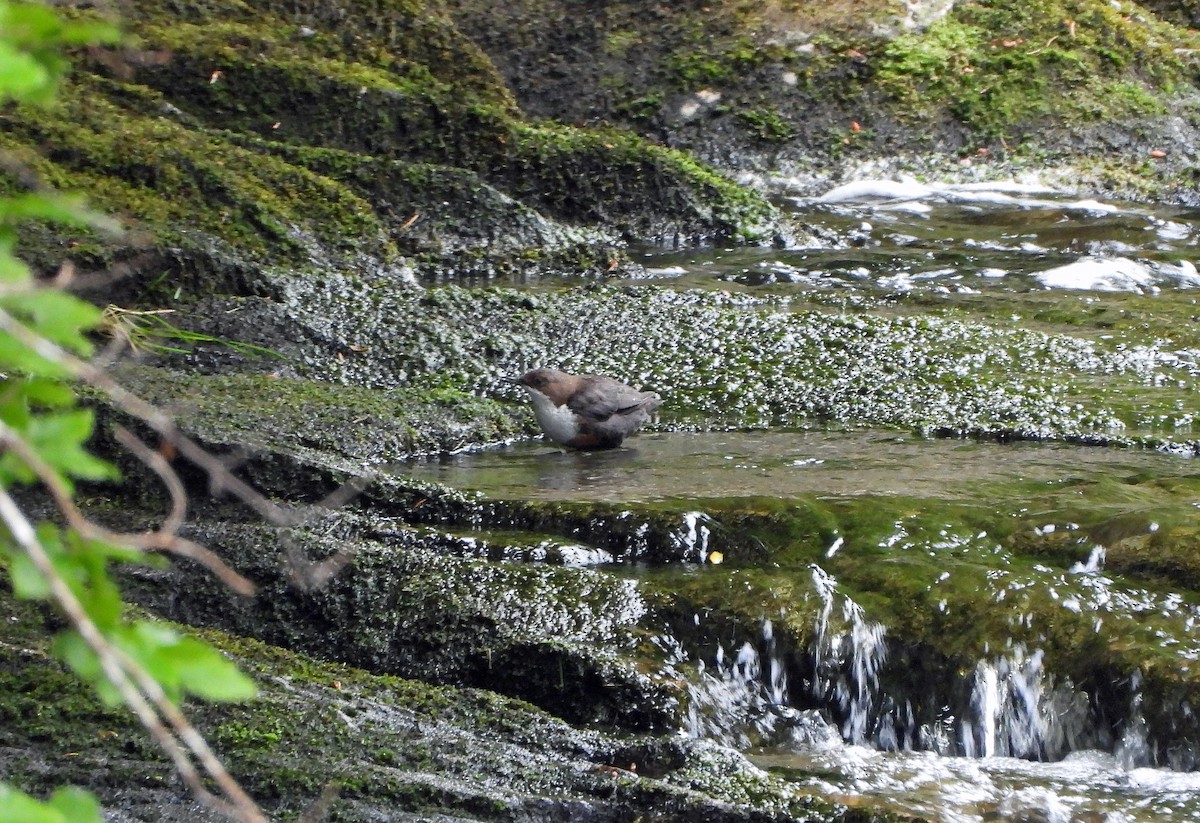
(585, 411)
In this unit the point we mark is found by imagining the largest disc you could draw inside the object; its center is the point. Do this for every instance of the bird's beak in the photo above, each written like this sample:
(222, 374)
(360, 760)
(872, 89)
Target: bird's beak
(514, 381)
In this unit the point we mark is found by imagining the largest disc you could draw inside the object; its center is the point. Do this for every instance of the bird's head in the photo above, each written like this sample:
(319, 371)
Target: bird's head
(555, 384)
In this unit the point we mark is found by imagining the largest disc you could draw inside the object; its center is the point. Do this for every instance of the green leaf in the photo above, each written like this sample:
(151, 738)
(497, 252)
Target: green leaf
(21, 76)
(91, 32)
(13, 270)
(209, 674)
(185, 663)
(27, 580)
(17, 357)
(109, 551)
(13, 471)
(57, 316)
(59, 438)
(36, 206)
(146, 643)
(88, 560)
(38, 25)
(48, 393)
(14, 404)
(54, 207)
(76, 805)
(18, 807)
(29, 22)
(77, 654)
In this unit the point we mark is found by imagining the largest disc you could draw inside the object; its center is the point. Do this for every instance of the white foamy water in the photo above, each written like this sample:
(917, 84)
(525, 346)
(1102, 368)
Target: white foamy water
(1086, 787)
(739, 697)
(1100, 274)
(906, 235)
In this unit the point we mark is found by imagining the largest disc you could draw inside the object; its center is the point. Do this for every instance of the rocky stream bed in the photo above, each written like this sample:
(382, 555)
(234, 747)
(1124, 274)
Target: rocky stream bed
(915, 492)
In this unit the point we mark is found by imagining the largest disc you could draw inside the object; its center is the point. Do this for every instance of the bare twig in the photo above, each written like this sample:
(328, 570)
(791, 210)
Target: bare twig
(156, 418)
(1047, 45)
(240, 804)
(120, 671)
(160, 540)
(162, 468)
(140, 690)
(306, 575)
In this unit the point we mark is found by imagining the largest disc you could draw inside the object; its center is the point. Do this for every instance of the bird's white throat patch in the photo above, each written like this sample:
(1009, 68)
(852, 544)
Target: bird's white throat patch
(558, 422)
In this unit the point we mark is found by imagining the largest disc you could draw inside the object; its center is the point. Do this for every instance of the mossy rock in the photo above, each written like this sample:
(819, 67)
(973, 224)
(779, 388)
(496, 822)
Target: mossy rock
(392, 746)
(297, 143)
(814, 90)
(1170, 555)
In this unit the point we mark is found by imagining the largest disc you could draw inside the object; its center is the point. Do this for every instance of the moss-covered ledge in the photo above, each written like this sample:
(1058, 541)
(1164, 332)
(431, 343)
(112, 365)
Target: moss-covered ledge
(718, 360)
(389, 148)
(396, 748)
(818, 92)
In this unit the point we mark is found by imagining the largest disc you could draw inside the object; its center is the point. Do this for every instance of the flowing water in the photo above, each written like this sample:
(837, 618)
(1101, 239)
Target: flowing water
(1011, 739)
(981, 238)
(1018, 747)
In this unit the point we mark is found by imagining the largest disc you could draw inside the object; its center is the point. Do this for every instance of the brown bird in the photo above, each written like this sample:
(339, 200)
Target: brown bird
(585, 411)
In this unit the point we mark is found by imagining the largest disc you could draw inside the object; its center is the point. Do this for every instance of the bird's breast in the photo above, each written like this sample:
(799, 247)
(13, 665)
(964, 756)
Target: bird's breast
(559, 423)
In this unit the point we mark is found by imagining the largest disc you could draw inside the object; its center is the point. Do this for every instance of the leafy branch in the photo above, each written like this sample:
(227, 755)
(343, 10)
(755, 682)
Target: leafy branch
(44, 349)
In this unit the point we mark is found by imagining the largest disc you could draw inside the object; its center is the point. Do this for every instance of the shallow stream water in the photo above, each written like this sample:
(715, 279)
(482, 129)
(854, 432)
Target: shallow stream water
(742, 696)
(783, 464)
(1002, 253)
(901, 237)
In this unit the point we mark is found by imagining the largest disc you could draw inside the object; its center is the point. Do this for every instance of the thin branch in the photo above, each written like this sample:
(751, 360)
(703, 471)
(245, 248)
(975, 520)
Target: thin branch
(247, 810)
(344, 493)
(141, 691)
(150, 414)
(209, 559)
(221, 477)
(116, 670)
(159, 465)
(306, 575)
(161, 540)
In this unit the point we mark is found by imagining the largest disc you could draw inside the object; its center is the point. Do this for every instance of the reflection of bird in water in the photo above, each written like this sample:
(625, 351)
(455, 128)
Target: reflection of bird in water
(585, 411)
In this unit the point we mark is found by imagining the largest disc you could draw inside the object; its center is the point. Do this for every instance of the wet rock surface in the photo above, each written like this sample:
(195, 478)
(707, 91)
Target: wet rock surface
(396, 748)
(571, 638)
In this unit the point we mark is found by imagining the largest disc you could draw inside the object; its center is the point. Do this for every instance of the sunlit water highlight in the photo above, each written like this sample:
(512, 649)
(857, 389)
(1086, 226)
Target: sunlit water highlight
(905, 236)
(1086, 787)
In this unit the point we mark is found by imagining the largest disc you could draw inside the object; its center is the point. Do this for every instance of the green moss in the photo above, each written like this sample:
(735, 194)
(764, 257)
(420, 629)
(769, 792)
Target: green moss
(401, 38)
(210, 144)
(410, 108)
(160, 174)
(1169, 554)
(1000, 68)
(767, 124)
(560, 169)
(364, 425)
(618, 43)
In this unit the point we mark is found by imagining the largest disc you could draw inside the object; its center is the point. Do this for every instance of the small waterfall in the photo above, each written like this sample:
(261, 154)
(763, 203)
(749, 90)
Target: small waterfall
(847, 658)
(741, 699)
(1007, 705)
(1133, 749)
(1016, 709)
(694, 538)
(777, 679)
(1007, 713)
